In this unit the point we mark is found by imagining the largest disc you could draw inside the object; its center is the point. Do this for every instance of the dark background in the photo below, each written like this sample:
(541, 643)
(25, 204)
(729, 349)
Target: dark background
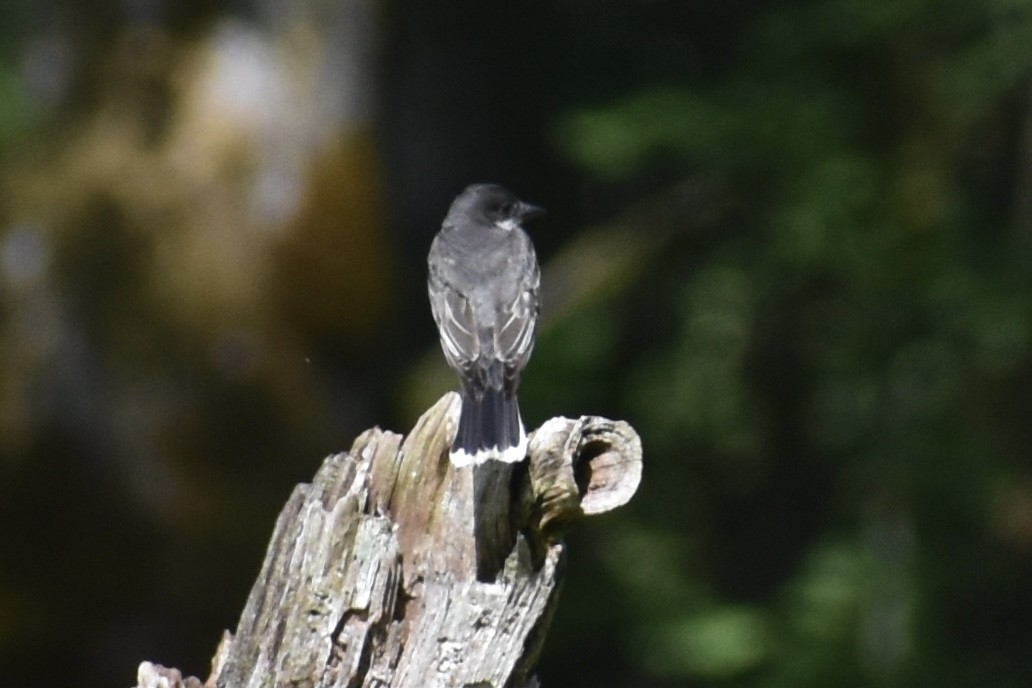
(788, 241)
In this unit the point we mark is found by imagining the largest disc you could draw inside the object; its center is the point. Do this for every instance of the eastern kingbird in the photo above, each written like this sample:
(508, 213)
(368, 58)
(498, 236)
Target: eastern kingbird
(483, 285)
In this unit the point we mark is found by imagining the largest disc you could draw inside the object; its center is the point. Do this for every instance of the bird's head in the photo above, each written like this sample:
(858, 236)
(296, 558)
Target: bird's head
(490, 204)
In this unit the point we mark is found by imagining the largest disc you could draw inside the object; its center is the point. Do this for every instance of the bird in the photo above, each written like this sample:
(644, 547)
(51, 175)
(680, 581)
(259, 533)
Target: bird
(483, 284)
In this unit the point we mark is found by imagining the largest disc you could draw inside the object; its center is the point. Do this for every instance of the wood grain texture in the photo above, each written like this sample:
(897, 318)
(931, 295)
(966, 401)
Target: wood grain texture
(395, 568)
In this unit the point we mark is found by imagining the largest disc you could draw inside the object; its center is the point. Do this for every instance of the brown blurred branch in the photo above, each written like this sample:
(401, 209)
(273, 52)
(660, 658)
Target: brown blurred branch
(603, 259)
(396, 568)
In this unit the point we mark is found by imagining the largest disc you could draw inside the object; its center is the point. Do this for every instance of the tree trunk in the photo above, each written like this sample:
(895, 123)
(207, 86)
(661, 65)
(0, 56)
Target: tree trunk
(396, 568)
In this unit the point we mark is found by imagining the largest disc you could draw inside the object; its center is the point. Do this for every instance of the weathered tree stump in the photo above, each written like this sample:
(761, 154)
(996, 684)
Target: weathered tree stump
(395, 567)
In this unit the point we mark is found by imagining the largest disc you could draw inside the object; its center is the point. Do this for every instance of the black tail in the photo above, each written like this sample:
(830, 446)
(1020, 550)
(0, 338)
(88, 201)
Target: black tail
(490, 428)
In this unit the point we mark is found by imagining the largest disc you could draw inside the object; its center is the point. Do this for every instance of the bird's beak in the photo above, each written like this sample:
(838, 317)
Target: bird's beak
(528, 211)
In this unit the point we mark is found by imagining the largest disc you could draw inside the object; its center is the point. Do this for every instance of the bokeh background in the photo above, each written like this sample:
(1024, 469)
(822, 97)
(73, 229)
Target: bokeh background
(789, 241)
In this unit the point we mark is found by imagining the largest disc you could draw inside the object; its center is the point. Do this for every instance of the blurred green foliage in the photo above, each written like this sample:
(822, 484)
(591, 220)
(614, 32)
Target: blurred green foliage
(832, 387)
(15, 111)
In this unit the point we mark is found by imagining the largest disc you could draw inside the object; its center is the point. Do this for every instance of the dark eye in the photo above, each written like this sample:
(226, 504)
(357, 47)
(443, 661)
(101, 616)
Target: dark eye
(506, 209)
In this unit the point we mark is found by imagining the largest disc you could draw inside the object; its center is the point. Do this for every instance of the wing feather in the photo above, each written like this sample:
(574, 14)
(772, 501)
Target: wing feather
(490, 338)
(453, 314)
(517, 322)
